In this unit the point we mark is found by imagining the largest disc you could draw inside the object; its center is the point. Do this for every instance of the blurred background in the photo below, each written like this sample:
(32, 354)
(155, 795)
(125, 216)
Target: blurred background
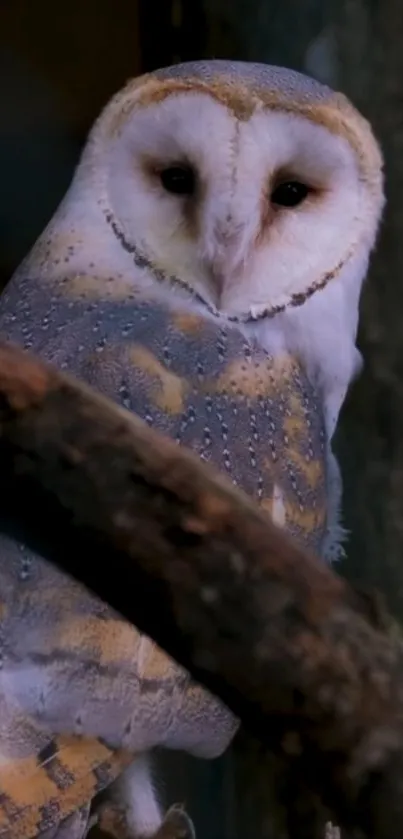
(59, 63)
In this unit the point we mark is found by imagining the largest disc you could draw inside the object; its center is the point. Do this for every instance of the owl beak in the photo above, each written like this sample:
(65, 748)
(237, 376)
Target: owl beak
(226, 247)
(223, 290)
(218, 282)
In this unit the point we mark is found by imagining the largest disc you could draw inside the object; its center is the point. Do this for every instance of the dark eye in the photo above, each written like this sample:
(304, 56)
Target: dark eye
(179, 180)
(290, 194)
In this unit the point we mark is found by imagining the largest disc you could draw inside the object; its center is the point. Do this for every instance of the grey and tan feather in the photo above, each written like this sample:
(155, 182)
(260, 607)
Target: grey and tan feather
(224, 320)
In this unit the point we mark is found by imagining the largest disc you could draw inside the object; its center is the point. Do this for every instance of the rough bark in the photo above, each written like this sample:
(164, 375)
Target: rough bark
(284, 642)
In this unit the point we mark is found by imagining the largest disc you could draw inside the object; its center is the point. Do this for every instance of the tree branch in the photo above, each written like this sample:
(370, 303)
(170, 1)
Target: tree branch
(192, 562)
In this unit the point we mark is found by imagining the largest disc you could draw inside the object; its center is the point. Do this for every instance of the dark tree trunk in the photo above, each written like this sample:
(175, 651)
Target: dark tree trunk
(370, 37)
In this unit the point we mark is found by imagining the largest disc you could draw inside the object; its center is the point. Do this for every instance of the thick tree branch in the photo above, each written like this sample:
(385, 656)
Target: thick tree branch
(195, 565)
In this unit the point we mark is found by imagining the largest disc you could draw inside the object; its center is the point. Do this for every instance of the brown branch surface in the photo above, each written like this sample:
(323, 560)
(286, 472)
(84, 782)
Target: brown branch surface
(190, 560)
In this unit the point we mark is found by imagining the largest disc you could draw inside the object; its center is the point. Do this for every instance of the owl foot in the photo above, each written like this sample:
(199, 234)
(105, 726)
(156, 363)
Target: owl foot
(176, 825)
(111, 824)
(331, 831)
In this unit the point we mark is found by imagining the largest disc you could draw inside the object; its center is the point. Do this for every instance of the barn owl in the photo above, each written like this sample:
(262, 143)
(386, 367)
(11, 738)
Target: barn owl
(205, 270)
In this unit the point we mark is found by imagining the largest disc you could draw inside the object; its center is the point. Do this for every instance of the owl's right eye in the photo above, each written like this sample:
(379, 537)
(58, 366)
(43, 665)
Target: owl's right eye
(290, 194)
(178, 180)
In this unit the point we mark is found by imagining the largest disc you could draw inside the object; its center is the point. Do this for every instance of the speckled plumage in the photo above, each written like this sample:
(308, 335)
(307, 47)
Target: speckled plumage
(199, 380)
(82, 693)
(203, 383)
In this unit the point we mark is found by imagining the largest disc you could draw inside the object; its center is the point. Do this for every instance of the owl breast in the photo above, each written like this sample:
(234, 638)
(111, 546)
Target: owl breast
(253, 416)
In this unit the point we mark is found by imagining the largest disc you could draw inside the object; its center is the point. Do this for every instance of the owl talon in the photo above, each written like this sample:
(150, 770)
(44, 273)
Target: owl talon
(176, 825)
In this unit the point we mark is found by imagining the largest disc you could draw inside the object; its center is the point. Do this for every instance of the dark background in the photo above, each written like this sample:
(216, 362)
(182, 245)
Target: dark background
(60, 62)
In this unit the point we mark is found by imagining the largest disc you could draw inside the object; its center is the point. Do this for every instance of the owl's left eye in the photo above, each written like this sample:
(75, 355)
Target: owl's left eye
(179, 180)
(289, 194)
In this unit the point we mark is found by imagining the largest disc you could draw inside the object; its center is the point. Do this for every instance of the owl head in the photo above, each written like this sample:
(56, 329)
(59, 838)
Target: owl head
(248, 186)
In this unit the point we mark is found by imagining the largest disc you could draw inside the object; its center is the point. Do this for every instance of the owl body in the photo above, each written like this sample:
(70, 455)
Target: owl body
(204, 270)
(71, 668)
(231, 239)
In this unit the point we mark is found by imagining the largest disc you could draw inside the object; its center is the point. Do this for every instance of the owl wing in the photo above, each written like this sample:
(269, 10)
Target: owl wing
(39, 789)
(199, 380)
